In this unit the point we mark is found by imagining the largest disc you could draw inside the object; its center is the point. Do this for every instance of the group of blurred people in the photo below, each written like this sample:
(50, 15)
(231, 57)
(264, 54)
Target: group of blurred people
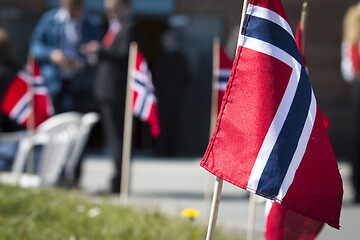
(85, 69)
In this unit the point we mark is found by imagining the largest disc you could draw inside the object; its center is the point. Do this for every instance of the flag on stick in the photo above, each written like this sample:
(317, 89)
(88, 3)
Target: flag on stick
(222, 74)
(144, 105)
(28, 95)
(270, 138)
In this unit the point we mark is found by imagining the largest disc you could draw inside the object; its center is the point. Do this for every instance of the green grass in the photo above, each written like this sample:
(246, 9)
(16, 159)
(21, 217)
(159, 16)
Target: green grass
(59, 214)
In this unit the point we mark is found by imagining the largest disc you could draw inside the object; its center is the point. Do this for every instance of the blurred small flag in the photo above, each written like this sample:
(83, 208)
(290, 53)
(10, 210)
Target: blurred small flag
(144, 105)
(223, 74)
(27, 93)
(350, 60)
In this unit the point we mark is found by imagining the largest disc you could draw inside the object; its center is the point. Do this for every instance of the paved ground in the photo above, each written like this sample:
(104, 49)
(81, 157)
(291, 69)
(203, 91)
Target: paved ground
(174, 184)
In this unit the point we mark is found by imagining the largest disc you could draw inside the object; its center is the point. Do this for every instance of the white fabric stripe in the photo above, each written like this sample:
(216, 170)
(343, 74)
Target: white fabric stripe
(284, 107)
(347, 68)
(271, 16)
(147, 107)
(41, 90)
(144, 78)
(220, 86)
(140, 97)
(222, 72)
(301, 148)
(38, 79)
(24, 76)
(19, 105)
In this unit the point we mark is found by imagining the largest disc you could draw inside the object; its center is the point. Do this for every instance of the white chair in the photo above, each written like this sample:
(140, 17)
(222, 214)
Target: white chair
(88, 120)
(57, 135)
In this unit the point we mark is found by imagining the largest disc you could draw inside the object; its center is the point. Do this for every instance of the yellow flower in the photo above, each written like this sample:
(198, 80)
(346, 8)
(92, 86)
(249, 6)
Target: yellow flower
(190, 213)
(1, 220)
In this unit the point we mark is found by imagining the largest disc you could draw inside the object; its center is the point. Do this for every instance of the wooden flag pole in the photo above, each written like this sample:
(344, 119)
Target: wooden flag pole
(128, 122)
(219, 181)
(303, 26)
(213, 115)
(214, 209)
(30, 125)
(251, 216)
(245, 5)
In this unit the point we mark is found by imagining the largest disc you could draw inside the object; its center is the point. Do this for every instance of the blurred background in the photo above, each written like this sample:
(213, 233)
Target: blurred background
(196, 23)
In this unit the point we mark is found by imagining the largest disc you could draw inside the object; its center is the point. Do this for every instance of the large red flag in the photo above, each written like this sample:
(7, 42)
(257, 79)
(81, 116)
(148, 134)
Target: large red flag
(270, 138)
(144, 105)
(28, 94)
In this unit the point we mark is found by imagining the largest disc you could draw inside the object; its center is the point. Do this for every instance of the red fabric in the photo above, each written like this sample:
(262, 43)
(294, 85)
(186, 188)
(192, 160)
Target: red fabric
(355, 58)
(284, 224)
(17, 100)
(225, 64)
(316, 180)
(108, 38)
(144, 96)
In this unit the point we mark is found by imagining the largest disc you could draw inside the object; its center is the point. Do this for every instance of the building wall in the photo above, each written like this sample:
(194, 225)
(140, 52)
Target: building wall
(29, 5)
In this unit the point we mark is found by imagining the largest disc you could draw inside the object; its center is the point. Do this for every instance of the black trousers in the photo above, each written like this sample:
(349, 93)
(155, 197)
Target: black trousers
(112, 117)
(355, 138)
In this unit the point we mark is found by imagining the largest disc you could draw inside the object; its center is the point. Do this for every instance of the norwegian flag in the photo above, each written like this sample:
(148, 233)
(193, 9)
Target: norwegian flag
(223, 74)
(270, 138)
(28, 86)
(350, 60)
(144, 105)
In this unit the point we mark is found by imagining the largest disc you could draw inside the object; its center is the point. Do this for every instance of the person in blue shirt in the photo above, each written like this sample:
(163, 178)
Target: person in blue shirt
(55, 44)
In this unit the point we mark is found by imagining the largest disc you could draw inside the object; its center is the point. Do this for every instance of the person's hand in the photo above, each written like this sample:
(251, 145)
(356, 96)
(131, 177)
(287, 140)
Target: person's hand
(74, 65)
(91, 47)
(58, 58)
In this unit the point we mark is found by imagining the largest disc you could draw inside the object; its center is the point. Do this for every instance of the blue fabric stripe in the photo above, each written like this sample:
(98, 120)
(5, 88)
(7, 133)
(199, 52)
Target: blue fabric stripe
(272, 33)
(147, 94)
(286, 144)
(22, 109)
(224, 79)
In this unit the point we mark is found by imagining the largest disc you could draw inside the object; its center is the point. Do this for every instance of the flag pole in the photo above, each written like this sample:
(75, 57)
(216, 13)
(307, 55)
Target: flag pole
(245, 5)
(214, 209)
(219, 181)
(30, 124)
(213, 115)
(251, 217)
(303, 26)
(128, 122)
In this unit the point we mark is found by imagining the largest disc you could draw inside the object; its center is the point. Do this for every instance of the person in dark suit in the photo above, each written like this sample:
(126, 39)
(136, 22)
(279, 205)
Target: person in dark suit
(170, 79)
(55, 44)
(111, 77)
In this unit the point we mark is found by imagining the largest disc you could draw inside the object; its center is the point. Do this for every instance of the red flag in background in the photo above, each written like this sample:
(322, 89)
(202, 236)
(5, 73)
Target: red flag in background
(284, 224)
(223, 74)
(298, 42)
(270, 138)
(28, 86)
(144, 105)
